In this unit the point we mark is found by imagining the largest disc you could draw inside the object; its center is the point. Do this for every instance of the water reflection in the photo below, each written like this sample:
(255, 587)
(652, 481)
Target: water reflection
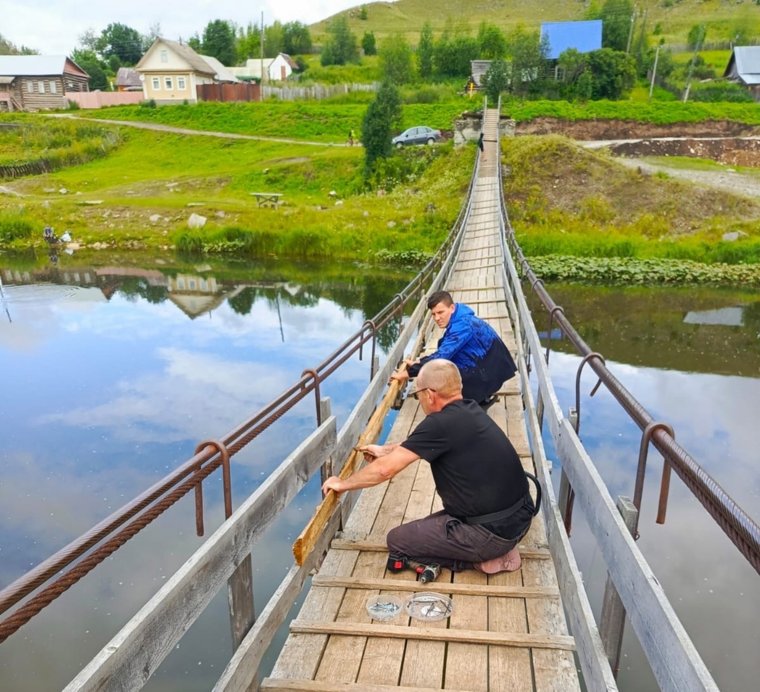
(111, 377)
(664, 360)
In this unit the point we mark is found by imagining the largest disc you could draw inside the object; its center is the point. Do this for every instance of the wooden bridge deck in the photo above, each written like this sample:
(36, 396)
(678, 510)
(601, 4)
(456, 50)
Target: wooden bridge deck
(506, 631)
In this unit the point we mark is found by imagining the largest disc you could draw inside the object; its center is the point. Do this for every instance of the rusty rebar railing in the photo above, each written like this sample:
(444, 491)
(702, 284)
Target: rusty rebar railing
(103, 539)
(736, 524)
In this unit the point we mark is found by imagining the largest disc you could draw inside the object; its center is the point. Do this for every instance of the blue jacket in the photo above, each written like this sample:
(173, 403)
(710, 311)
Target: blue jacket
(476, 349)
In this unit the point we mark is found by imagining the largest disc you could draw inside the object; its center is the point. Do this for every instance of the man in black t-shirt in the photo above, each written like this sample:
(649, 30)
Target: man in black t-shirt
(487, 507)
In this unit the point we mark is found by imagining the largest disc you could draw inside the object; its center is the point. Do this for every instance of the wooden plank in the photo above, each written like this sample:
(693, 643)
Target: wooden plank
(301, 653)
(463, 587)
(241, 672)
(467, 663)
(436, 634)
(324, 686)
(305, 542)
(131, 657)
(527, 551)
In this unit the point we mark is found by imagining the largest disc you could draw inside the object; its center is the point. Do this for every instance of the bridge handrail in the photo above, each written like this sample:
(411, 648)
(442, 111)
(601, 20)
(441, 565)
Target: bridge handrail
(672, 656)
(108, 535)
(133, 655)
(734, 521)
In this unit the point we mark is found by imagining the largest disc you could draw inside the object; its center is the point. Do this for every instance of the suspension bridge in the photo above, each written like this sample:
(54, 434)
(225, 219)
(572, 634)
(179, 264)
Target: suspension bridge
(528, 630)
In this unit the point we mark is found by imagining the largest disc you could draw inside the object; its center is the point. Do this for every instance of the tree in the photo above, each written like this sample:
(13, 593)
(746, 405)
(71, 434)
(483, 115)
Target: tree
(368, 43)
(248, 42)
(696, 37)
(496, 80)
(616, 16)
(454, 53)
(396, 63)
(383, 115)
(8, 48)
(296, 38)
(219, 41)
(528, 51)
(614, 73)
(491, 42)
(340, 46)
(195, 43)
(425, 51)
(274, 40)
(89, 61)
(122, 41)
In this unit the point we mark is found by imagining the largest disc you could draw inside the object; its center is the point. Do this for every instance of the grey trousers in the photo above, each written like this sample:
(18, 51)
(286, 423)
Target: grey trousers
(446, 540)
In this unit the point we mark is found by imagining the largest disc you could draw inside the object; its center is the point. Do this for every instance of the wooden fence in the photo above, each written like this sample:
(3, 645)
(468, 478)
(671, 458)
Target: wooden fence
(313, 93)
(243, 91)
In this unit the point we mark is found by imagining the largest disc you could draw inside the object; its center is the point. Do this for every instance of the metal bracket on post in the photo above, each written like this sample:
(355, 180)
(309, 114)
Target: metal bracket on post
(556, 308)
(226, 484)
(612, 620)
(586, 359)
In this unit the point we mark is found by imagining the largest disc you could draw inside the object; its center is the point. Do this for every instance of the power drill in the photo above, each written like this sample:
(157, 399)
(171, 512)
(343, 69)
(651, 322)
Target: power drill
(425, 572)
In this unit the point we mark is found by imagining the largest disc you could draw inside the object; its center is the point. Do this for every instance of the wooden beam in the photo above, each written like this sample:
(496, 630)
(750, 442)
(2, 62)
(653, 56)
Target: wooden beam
(437, 634)
(326, 686)
(308, 537)
(447, 587)
(536, 553)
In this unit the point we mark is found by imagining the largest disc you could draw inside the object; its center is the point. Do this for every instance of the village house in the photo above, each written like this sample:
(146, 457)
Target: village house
(128, 79)
(171, 72)
(274, 69)
(744, 68)
(39, 82)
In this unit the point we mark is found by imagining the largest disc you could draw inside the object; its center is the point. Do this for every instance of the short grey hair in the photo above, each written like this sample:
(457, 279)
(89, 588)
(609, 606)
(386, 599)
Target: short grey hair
(440, 375)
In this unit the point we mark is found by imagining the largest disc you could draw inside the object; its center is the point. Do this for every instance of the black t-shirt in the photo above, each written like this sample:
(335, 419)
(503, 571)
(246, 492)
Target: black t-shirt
(475, 467)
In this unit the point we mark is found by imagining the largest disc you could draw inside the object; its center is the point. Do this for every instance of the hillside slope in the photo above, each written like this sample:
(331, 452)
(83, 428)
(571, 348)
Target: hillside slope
(671, 18)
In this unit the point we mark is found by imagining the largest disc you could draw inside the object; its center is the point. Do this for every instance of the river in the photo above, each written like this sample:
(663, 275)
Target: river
(112, 376)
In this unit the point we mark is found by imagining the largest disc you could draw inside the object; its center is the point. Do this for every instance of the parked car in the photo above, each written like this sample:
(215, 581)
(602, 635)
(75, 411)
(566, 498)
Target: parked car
(417, 135)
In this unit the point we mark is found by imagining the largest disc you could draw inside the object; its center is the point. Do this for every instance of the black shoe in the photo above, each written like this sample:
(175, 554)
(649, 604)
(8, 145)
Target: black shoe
(486, 403)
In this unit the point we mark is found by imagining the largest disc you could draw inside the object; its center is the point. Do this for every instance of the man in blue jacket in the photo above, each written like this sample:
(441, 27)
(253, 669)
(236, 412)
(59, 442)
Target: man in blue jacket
(472, 345)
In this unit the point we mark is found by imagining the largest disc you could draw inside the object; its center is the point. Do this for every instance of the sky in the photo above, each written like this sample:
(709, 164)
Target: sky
(53, 27)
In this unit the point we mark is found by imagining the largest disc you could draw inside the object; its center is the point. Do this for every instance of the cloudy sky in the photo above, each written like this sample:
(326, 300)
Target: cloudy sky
(53, 27)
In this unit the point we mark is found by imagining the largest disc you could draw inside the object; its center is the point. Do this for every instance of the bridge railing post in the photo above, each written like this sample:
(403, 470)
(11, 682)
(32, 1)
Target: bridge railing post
(612, 621)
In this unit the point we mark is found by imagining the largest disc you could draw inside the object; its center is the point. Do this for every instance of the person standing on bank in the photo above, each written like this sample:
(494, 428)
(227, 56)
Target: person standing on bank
(471, 344)
(487, 507)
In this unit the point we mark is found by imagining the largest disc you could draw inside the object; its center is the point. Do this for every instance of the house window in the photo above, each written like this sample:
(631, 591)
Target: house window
(53, 87)
(168, 83)
(41, 86)
(156, 84)
(164, 55)
(30, 87)
(181, 83)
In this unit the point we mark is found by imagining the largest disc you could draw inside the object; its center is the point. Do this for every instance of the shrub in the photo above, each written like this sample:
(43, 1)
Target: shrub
(14, 226)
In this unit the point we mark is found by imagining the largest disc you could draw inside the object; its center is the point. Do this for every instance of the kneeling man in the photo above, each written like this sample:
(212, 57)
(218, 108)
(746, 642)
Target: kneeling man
(487, 506)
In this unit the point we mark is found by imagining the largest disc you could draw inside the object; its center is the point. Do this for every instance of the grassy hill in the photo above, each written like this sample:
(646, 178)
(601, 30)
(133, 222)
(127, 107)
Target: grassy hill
(673, 18)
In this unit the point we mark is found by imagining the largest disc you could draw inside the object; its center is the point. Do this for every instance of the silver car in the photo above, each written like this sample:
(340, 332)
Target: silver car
(417, 135)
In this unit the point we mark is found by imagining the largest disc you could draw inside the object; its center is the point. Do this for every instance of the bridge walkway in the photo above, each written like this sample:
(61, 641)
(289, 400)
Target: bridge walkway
(506, 631)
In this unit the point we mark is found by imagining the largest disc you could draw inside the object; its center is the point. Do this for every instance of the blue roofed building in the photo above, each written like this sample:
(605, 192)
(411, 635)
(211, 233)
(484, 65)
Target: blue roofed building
(583, 36)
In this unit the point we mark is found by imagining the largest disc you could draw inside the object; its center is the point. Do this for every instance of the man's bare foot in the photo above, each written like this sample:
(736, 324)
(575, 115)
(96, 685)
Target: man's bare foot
(509, 562)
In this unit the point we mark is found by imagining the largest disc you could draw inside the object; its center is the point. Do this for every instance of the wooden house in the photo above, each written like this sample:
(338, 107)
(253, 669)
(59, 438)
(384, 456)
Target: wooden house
(38, 82)
(128, 79)
(172, 71)
(276, 69)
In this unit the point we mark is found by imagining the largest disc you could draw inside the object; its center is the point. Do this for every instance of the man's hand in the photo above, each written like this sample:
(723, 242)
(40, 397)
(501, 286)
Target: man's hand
(400, 376)
(332, 483)
(371, 452)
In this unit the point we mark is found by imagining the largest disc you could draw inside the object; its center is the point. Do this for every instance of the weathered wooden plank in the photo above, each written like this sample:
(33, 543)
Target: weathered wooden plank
(325, 686)
(436, 634)
(137, 650)
(527, 551)
(467, 664)
(466, 587)
(241, 672)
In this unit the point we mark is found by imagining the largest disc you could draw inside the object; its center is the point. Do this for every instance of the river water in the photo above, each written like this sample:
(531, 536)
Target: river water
(112, 376)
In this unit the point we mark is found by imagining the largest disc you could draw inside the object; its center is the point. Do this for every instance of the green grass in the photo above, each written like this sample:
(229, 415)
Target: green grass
(310, 121)
(326, 212)
(567, 201)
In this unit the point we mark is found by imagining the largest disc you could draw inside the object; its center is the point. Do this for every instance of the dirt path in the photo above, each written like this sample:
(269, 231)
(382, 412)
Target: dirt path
(729, 181)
